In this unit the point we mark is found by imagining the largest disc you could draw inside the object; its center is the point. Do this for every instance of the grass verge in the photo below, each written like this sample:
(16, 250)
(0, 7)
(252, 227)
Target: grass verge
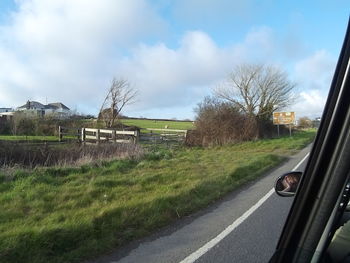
(28, 138)
(70, 214)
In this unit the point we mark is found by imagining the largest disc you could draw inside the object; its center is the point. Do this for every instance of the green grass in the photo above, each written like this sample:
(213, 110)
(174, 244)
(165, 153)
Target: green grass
(27, 138)
(155, 124)
(70, 214)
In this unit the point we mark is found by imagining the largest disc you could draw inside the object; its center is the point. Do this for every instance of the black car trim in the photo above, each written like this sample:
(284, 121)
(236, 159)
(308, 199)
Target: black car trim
(324, 175)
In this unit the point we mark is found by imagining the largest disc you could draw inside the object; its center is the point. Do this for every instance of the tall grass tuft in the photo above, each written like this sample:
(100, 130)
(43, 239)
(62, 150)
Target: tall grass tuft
(32, 156)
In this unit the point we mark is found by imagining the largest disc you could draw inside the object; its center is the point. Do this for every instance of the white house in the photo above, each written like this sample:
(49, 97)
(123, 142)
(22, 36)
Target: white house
(57, 108)
(38, 109)
(6, 110)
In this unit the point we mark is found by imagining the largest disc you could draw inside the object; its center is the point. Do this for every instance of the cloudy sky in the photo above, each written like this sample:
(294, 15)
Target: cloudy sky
(173, 52)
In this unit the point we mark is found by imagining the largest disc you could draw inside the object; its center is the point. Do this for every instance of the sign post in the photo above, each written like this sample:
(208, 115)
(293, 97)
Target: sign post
(284, 118)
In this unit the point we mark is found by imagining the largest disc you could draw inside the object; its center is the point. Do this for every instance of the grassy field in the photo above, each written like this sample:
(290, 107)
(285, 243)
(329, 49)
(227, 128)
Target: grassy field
(27, 138)
(177, 125)
(156, 124)
(69, 214)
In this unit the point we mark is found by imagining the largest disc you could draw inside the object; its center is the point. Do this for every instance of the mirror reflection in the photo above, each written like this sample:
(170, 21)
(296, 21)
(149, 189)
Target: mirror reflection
(287, 184)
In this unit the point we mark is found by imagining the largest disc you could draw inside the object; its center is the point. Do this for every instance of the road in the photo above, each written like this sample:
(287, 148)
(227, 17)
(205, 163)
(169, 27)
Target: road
(244, 227)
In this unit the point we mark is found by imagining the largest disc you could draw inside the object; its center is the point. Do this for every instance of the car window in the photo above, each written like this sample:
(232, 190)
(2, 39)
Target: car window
(322, 194)
(154, 131)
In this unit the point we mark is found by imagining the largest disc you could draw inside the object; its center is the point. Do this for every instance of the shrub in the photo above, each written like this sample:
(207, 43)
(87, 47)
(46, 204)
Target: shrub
(267, 129)
(5, 126)
(304, 123)
(25, 124)
(219, 123)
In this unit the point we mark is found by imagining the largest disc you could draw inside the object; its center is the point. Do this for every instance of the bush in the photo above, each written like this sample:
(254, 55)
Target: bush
(304, 123)
(24, 124)
(5, 126)
(218, 123)
(267, 129)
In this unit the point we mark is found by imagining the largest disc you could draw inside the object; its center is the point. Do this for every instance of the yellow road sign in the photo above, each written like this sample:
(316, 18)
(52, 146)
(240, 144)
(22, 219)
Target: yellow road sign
(282, 118)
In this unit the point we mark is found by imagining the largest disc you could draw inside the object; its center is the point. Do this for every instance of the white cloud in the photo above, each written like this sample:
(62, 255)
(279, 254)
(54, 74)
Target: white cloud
(310, 103)
(60, 26)
(178, 77)
(66, 50)
(313, 75)
(316, 71)
(259, 45)
(69, 51)
(175, 77)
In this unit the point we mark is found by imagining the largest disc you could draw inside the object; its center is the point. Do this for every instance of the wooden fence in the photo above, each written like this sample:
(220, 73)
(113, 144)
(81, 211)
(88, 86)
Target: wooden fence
(149, 135)
(159, 136)
(68, 133)
(99, 135)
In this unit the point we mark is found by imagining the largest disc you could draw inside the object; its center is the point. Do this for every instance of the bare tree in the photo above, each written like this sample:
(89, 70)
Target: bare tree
(258, 90)
(119, 95)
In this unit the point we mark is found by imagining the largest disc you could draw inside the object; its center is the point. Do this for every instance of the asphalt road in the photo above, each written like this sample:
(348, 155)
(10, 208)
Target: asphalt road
(244, 227)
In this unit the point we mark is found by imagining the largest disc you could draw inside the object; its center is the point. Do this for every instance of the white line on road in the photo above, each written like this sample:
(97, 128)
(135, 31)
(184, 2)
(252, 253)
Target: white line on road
(204, 249)
(297, 166)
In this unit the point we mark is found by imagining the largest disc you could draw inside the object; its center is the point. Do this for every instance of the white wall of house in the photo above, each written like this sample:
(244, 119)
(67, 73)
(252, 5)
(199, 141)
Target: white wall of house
(49, 111)
(6, 109)
(57, 111)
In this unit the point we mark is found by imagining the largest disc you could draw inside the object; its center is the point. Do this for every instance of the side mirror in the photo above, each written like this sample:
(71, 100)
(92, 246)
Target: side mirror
(287, 184)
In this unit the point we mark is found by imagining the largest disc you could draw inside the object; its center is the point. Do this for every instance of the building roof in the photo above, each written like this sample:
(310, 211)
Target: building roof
(58, 105)
(38, 105)
(32, 104)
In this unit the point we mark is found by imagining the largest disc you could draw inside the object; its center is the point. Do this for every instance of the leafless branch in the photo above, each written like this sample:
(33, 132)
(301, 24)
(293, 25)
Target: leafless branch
(119, 95)
(257, 90)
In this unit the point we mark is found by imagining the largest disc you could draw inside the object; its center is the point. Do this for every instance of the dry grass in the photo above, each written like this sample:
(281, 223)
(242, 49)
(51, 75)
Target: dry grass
(31, 156)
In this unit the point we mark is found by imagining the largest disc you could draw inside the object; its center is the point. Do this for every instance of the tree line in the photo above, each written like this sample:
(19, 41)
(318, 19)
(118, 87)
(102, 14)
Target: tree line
(242, 107)
(239, 109)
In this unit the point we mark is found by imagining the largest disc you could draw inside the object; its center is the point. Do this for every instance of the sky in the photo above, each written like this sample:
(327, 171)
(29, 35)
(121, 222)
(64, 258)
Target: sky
(173, 52)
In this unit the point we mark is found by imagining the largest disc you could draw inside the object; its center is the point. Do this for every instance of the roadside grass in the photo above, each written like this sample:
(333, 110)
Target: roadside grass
(156, 124)
(32, 155)
(70, 214)
(27, 138)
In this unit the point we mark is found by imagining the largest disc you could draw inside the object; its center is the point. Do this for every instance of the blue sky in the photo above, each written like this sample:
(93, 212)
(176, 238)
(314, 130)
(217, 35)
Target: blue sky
(173, 52)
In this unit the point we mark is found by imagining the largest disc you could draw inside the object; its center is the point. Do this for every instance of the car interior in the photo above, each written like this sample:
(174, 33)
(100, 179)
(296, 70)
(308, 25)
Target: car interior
(338, 242)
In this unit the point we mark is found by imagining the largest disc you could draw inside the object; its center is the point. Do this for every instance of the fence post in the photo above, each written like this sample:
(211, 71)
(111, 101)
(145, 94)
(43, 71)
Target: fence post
(114, 136)
(136, 136)
(98, 136)
(83, 138)
(60, 135)
(153, 138)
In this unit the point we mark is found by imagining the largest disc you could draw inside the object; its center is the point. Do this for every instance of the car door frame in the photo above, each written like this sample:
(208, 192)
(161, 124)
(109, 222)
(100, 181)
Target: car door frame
(325, 175)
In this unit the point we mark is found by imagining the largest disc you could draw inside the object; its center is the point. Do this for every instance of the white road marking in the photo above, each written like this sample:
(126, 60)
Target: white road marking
(204, 249)
(297, 166)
